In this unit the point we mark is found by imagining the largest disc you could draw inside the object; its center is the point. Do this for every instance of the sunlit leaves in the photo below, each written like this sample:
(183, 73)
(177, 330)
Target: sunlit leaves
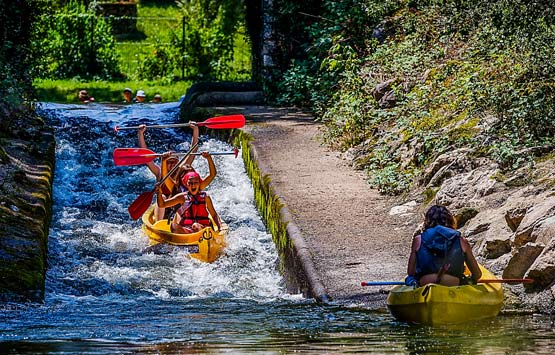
(74, 42)
(466, 72)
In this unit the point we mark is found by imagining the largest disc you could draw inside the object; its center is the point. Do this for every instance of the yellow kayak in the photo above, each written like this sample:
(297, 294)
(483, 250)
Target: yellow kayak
(436, 304)
(205, 245)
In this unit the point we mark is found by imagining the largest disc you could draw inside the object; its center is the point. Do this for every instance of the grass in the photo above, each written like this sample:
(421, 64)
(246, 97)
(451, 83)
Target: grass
(156, 24)
(104, 91)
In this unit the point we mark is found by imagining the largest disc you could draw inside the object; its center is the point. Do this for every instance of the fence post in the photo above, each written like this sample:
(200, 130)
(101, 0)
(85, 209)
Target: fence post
(92, 60)
(183, 48)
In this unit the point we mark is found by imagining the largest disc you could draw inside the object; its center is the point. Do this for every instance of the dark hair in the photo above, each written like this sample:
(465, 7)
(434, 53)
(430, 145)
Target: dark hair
(439, 215)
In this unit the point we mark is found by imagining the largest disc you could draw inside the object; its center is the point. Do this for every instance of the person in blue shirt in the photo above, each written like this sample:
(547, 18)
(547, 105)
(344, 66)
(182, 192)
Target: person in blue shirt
(439, 254)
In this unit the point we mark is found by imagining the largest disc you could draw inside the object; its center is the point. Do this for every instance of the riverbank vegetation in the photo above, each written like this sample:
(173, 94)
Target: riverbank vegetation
(398, 83)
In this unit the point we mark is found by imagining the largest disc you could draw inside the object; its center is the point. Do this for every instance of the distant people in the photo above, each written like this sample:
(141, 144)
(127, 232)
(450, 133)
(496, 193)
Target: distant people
(157, 99)
(127, 96)
(84, 97)
(140, 97)
(439, 253)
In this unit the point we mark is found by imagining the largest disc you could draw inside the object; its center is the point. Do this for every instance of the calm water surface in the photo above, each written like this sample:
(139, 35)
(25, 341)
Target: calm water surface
(106, 293)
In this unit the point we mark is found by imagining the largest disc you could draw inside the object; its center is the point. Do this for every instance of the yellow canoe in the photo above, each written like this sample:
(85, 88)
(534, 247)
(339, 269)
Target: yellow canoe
(435, 304)
(206, 245)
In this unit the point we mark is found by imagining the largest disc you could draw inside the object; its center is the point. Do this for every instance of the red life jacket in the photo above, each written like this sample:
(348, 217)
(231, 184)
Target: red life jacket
(194, 210)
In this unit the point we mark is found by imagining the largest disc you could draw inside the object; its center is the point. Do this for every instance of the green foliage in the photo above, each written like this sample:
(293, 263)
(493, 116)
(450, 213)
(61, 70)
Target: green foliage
(327, 39)
(160, 65)
(74, 42)
(465, 73)
(210, 31)
(15, 58)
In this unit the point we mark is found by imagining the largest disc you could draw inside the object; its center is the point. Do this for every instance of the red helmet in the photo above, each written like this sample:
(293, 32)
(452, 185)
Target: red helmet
(189, 175)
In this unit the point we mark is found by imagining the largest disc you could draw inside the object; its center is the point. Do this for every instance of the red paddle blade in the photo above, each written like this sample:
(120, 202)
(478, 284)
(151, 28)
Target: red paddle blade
(224, 122)
(140, 205)
(133, 156)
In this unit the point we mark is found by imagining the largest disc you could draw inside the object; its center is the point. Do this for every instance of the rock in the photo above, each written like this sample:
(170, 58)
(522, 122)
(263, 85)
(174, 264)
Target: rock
(522, 260)
(464, 215)
(494, 246)
(491, 232)
(496, 266)
(533, 219)
(403, 209)
(544, 231)
(514, 217)
(388, 100)
(543, 269)
(381, 89)
(468, 189)
(453, 160)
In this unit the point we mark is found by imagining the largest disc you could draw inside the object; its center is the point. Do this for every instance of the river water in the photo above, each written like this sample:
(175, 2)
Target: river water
(106, 293)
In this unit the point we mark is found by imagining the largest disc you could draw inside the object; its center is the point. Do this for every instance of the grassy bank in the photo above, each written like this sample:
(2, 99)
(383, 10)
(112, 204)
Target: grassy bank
(103, 91)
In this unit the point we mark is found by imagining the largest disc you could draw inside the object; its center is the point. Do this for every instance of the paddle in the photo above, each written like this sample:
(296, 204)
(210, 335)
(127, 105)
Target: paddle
(138, 156)
(509, 281)
(220, 122)
(381, 283)
(484, 281)
(141, 203)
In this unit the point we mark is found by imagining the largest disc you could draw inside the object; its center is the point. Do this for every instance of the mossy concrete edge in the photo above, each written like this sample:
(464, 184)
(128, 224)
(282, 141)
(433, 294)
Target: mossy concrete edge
(25, 216)
(295, 256)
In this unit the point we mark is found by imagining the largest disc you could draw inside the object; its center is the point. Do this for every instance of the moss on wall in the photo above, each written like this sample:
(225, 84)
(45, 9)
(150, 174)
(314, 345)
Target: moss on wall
(25, 212)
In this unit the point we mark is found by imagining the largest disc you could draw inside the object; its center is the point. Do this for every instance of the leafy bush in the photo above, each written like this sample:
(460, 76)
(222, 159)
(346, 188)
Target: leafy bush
(15, 56)
(209, 36)
(161, 64)
(74, 42)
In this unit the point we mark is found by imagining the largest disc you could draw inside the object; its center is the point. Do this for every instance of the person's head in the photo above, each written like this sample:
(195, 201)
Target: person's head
(128, 94)
(83, 95)
(140, 96)
(439, 216)
(157, 98)
(191, 180)
(172, 161)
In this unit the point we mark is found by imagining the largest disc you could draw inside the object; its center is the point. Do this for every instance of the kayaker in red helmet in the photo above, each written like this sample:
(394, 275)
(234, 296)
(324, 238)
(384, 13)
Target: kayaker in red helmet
(171, 185)
(439, 253)
(196, 206)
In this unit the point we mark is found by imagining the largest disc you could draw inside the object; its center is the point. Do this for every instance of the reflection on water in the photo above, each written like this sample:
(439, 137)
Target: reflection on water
(107, 294)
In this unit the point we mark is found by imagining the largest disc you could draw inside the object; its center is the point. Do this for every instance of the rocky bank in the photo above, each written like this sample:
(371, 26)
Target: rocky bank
(26, 171)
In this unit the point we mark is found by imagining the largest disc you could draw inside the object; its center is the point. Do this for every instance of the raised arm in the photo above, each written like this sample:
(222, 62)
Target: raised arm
(211, 171)
(155, 169)
(194, 141)
(213, 212)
